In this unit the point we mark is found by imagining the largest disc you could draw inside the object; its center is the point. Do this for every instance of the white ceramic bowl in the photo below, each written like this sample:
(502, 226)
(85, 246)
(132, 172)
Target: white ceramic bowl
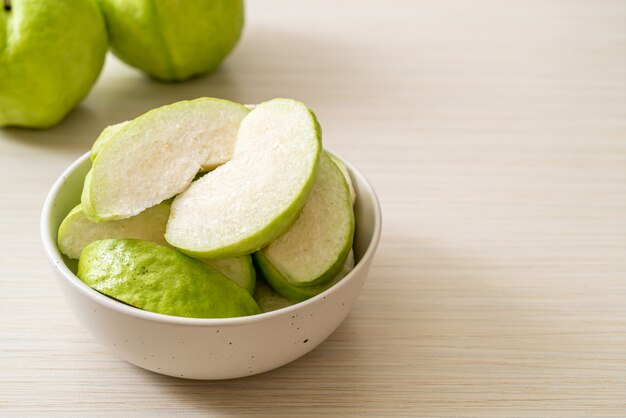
(209, 348)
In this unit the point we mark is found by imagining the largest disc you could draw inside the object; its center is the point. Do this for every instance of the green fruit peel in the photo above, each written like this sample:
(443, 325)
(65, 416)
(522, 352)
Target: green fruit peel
(162, 280)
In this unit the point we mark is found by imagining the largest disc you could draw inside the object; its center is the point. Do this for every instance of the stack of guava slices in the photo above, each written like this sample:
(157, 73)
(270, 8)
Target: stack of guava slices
(210, 209)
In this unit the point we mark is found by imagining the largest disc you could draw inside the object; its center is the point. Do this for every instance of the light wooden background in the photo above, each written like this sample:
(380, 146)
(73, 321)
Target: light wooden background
(495, 134)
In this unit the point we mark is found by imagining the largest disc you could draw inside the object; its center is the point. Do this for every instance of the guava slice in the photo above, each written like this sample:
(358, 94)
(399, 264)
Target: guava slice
(267, 298)
(312, 251)
(77, 230)
(297, 294)
(246, 203)
(104, 137)
(238, 269)
(157, 155)
(159, 279)
(346, 174)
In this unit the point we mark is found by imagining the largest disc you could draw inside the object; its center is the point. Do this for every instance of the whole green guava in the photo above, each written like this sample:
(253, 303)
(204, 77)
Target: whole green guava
(173, 40)
(51, 53)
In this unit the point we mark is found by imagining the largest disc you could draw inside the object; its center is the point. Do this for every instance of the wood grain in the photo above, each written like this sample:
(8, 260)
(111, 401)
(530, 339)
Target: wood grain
(495, 134)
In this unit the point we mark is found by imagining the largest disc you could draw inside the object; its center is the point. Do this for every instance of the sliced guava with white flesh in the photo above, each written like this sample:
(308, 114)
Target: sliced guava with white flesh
(346, 174)
(238, 269)
(106, 134)
(221, 151)
(246, 203)
(77, 230)
(312, 251)
(157, 155)
(297, 294)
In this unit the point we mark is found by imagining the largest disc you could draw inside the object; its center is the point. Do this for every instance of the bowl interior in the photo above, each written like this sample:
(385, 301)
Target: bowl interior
(65, 195)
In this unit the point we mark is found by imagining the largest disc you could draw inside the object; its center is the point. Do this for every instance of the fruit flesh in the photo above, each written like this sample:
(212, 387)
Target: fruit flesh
(156, 156)
(77, 231)
(220, 151)
(312, 251)
(104, 137)
(244, 204)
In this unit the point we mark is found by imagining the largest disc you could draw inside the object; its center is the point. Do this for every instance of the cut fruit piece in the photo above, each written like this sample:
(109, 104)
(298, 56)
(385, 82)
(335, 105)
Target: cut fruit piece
(221, 151)
(346, 174)
(297, 294)
(106, 134)
(267, 298)
(239, 269)
(162, 280)
(77, 231)
(156, 156)
(315, 247)
(246, 203)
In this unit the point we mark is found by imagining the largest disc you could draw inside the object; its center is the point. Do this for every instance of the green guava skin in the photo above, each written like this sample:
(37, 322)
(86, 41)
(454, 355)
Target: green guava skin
(238, 269)
(173, 40)
(284, 287)
(51, 53)
(155, 278)
(267, 298)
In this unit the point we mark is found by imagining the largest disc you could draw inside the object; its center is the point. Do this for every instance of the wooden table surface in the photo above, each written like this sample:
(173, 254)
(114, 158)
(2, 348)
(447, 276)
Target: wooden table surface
(495, 134)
